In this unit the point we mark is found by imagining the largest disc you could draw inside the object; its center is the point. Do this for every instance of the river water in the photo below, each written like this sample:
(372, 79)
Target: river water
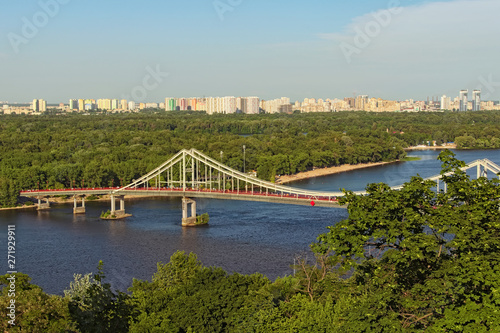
(243, 237)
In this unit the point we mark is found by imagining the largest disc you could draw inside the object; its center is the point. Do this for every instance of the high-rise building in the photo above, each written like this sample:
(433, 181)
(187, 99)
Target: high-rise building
(201, 104)
(192, 104)
(351, 101)
(464, 94)
(124, 104)
(250, 105)
(43, 105)
(286, 108)
(73, 104)
(170, 104)
(229, 105)
(182, 104)
(81, 105)
(39, 105)
(361, 101)
(103, 104)
(239, 104)
(216, 105)
(274, 105)
(89, 104)
(476, 100)
(445, 103)
(285, 100)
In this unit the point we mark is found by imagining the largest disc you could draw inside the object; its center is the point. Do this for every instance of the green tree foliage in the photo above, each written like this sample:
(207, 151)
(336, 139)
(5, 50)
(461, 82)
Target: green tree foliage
(9, 192)
(108, 150)
(112, 150)
(425, 260)
(35, 310)
(202, 219)
(95, 307)
(184, 296)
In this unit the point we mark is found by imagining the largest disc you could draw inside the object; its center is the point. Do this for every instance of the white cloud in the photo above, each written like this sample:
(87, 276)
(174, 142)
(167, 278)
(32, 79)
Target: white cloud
(441, 45)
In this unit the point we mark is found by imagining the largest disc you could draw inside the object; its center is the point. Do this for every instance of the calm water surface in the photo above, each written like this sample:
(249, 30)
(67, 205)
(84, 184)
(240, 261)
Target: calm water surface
(244, 237)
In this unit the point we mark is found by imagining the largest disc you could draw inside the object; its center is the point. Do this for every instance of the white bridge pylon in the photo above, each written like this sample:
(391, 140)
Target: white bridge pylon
(191, 173)
(483, 166)
(193, 170)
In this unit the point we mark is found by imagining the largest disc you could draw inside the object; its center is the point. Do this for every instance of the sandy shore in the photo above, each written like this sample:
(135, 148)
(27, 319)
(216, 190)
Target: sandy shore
(17, 208)
(450, 146)
(327, 171)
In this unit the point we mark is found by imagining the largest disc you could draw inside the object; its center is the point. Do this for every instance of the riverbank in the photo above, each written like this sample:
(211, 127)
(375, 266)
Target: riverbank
(327, 171)
(19, 208)
(448, 146)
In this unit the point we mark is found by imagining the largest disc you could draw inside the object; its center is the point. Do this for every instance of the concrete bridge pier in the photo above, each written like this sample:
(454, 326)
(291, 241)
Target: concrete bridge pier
(42, 205)
(76, 209)
(188, 221)
(121, 211)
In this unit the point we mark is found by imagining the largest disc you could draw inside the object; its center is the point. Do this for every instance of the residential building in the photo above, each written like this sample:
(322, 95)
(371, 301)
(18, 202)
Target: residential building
(464, 100)
(476, 100)
(445, 103)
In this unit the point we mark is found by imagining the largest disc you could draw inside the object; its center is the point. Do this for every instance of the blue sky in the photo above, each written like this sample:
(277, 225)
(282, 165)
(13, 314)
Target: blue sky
(107, 49)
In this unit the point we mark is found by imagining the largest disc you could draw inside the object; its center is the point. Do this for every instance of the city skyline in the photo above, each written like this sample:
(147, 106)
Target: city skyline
(255, 105)
(395, 49)
(462, 95)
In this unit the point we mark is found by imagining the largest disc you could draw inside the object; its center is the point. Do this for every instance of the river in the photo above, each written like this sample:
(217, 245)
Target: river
(243, 237)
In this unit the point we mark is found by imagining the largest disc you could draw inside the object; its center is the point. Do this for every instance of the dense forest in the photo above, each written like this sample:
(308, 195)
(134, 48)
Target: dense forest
(72, 150)
(408, 260)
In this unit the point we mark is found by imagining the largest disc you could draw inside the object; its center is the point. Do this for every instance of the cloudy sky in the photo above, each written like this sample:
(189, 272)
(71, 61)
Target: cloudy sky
(149, 50)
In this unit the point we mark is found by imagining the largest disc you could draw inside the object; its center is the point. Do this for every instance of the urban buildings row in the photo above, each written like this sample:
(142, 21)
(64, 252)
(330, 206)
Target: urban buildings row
(213, 105)
(254, 105)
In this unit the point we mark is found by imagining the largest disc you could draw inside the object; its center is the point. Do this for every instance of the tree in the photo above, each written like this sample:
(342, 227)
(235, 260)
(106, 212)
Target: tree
(95, 307)
(465, 142)
(184, 296)
(35, 310)
(8, 193)
(426, 259)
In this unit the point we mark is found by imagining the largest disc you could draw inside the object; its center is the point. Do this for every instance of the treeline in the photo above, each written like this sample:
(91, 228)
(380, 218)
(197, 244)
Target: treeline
(112, 150)
(416, 261)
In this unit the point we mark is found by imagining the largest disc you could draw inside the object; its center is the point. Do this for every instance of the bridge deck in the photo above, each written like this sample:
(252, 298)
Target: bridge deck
(194, 193)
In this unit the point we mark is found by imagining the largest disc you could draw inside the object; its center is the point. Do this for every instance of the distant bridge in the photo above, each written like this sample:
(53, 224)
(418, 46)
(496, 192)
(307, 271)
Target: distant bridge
(192, 174)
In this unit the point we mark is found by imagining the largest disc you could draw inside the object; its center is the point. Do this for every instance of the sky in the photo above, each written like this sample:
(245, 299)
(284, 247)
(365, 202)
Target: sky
(148, 50)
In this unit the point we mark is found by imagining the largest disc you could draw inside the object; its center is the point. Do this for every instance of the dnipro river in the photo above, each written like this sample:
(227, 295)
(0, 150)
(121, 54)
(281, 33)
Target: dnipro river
(243, 237)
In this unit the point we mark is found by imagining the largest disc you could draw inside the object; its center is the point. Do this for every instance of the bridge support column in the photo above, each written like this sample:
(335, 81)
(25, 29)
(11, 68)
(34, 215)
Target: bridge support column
(118, 213)
(76, 209)
(188, 221)
(42, 205)
(482, 171)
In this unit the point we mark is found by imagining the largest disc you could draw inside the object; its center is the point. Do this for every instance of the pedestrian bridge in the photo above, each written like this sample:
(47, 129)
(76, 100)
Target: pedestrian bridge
(192, 174)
